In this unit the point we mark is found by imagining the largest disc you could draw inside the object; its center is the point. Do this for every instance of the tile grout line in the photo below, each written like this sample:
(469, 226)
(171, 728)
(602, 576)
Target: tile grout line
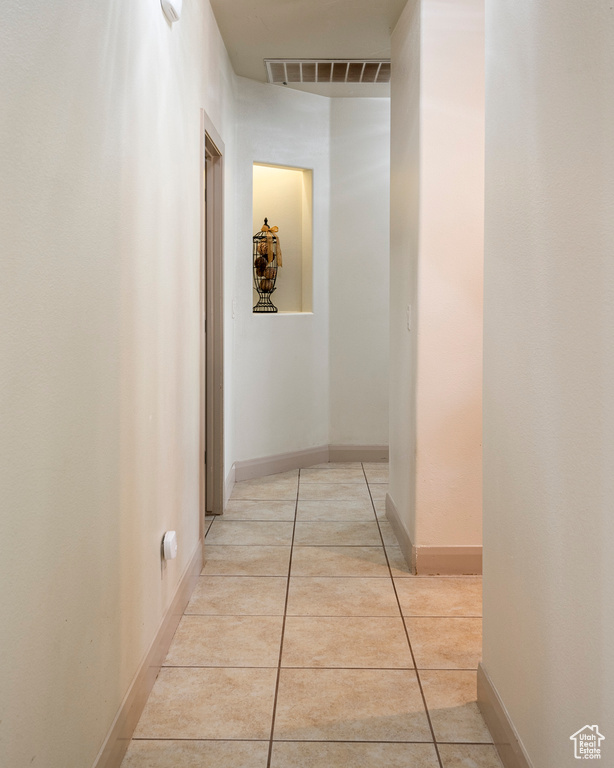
(411, 650)
(283, 625)
(215, 517)
(270, 741)
(332, 616)
(403, 618)
(318, 741)
(293, 666)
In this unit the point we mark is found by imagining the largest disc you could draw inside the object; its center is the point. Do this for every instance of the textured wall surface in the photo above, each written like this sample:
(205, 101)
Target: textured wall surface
(404, 245)
(450, 269)
(280, 360)
(99, 334)
(359, 271)
(437, 189)
(100, 224)
(549, 368)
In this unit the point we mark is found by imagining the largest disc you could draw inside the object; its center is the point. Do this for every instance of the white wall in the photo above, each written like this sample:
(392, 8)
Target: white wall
(99, 331)
(436, 269)
(287, 379)
(404, 250)
(548, 372)
(450, 268)
(280, 361)
(99, 334)
(359, 270)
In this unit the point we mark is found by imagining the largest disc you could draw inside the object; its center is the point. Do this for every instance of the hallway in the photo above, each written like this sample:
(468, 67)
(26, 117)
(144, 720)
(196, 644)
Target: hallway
(308, 643)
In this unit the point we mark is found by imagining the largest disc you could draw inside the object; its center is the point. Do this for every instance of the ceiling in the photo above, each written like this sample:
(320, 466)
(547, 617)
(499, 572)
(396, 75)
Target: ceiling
(254, 30)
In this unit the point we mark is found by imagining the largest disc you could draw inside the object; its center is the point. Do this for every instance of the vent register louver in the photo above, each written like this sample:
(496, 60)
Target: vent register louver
(327, 71)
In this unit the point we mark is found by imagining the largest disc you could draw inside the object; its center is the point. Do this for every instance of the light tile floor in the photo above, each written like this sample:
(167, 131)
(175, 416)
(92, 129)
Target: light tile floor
(308, 644)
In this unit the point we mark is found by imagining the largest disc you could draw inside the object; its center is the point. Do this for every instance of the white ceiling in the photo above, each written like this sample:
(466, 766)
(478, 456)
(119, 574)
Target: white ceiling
(254, 30)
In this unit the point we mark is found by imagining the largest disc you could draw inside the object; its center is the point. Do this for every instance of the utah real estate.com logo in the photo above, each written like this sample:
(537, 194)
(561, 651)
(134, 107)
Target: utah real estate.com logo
(587, 743)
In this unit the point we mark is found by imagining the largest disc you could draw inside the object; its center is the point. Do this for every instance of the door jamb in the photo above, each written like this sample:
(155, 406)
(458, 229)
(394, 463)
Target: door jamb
(211, 323)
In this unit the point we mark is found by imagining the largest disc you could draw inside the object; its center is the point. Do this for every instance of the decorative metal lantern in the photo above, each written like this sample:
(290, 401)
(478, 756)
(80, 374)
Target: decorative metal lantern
(266, 259)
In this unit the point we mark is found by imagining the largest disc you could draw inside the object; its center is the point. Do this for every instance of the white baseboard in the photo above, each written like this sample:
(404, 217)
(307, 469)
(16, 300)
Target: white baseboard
(506, 739)
(407, 548)
(284, 462)
(229, 484)
(358, 453)
(116, 743)
(449, 561)
(432, 560)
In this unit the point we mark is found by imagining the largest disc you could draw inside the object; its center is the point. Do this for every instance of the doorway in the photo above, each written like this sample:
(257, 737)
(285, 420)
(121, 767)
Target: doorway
(211, 456)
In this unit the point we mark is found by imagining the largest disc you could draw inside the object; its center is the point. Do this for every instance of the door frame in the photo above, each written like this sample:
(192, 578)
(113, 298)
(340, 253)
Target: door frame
(211, 318)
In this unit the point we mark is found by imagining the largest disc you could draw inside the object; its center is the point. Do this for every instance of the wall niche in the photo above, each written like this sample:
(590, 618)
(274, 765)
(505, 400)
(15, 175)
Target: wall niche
(283, 195)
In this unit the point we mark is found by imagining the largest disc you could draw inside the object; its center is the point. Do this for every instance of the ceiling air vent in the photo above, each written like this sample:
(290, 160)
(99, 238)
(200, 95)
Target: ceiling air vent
(327, 71)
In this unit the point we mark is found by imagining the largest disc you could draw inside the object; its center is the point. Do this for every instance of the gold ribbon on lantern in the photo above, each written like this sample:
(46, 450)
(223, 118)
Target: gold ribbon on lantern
(270, 231)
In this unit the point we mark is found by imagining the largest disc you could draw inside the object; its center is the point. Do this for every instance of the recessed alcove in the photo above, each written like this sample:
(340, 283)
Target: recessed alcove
(284, 195)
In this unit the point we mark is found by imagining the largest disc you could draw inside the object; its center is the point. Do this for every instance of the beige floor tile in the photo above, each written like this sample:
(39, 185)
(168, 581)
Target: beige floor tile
(289, 476)
(380, 508)
(365, 562)
(350, 704)
(341, 597)
(331, 511)
(210, 703)
(244, 509)
(377, 474)
(197, 754)
(226, 641)
(469, 756)
(256, 490)
(244, 532)
(388, 533)
(398, 564)
(454, 643)
(345, 642)
(441, 596)
(305, 754)
(341, 534)
(336, 475)
(238, 596)
(379, 491)
(451, 698)
(346, 673)
(334, 491)
(246, 561)
(272, 488)
(375, 464)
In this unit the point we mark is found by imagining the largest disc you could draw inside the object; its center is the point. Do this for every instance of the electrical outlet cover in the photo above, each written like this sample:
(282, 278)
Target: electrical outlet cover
(172, 9)
(170, 545)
